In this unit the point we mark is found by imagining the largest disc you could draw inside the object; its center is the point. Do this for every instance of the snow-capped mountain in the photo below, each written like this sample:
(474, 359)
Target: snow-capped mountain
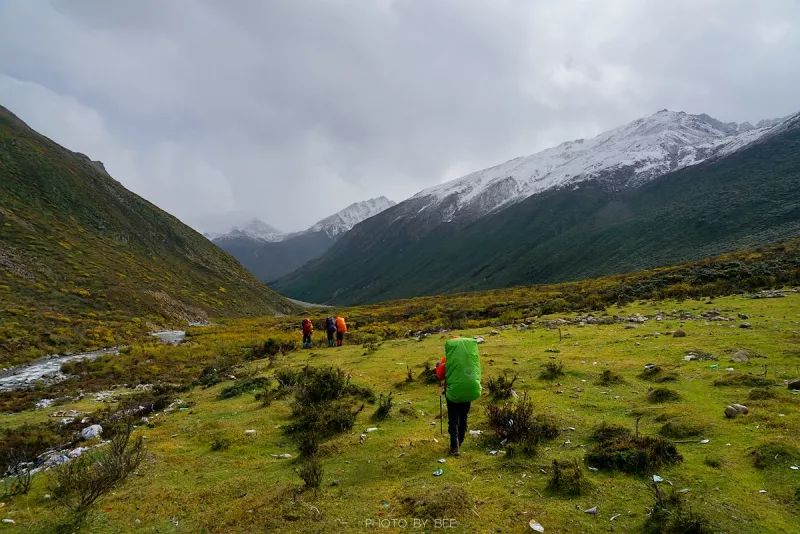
(628, 156)
(269, 254)
(342, 221)
(255, 229)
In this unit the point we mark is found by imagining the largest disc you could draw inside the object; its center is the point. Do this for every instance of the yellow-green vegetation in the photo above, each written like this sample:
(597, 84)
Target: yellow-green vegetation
(205, 472)
(85, 263)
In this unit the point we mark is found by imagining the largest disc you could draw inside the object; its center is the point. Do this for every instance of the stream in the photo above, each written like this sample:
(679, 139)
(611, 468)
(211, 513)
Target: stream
(48, 369)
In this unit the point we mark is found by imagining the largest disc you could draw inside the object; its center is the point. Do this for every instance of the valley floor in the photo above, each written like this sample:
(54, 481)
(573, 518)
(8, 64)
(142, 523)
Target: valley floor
(383, 480)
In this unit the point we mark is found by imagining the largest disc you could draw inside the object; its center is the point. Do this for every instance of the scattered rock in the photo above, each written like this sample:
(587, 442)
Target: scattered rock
(679, 333)
(44, 403)
(591, 511)
(282, 456)
(495, 333)
(745, 325)
(372, 429)
(479, 339)
(8, 521)
(741, 408)
(439, 472)
(731, 412)
(250, 432)
(743, 316)
(794, 384)
(92, 431)
(475, 432)
(536, 526)
(740, 356)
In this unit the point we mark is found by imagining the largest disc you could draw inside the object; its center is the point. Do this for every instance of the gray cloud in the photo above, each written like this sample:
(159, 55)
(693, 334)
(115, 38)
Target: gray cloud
(290, 110)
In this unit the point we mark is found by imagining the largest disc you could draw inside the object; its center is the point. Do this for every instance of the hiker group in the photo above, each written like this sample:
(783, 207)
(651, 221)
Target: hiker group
(334, 327)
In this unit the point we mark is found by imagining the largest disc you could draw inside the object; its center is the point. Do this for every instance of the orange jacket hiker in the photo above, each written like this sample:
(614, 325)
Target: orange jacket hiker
(341, 326)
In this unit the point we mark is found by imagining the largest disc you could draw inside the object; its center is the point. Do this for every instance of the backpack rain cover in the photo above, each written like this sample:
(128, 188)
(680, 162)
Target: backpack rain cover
(462, 369)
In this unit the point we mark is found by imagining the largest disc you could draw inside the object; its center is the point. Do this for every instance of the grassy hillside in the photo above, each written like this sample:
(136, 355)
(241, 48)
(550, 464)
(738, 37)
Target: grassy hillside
(749, 198)
(85, 262)
(205, 473)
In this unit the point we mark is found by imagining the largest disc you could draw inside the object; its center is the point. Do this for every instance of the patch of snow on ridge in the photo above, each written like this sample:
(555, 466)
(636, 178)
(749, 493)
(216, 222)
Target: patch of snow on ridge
(628, 156)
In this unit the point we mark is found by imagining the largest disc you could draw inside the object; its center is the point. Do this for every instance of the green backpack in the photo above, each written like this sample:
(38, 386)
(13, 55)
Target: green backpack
(462, 369)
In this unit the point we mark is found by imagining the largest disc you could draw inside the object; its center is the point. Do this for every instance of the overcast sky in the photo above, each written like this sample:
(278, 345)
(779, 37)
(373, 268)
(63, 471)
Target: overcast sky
(290, 110)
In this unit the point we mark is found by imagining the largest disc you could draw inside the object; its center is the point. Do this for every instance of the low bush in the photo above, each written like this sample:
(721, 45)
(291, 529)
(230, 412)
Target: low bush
(244, 385)
(79, 483)
(606, 432)
(428, 374)
(677, 429)
(744, 380)
(220, 443)
(658, 395)
(609, 377)
(761, 394)
(384, 407)
(566, 478)
(774, 454)
(551, 370)
(311, 473)
(17, 478)
(501, 387)
(515, 423)
(672, 515)
(656, 374)
(632, 454)
(435, 503)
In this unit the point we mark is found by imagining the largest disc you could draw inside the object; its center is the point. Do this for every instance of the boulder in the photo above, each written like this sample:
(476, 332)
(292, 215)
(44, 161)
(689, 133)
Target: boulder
(794, 384)
(740, 356)
(745, 325)
(741, 408)
(91, 431)
(731, 412)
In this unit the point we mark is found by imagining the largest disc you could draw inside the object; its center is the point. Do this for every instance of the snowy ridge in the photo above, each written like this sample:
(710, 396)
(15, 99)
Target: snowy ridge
(628, 156)
(344, 220)
(255, 229)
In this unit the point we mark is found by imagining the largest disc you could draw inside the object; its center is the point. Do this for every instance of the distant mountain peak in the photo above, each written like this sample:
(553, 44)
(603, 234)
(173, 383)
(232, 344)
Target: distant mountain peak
(344, 220)
(254, 228)
(627, 156)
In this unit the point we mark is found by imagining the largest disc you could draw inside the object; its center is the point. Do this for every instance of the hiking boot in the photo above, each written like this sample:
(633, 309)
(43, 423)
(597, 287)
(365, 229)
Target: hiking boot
(455, 452)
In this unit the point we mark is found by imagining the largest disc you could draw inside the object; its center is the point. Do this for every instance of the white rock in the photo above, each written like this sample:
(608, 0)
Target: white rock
(91, 431)
(282, 456)
(372, 429)
(8, 521)
(250, 432)
(536, 526)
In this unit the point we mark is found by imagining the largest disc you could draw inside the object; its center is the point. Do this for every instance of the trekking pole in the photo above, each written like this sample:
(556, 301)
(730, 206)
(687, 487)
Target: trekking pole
(441, 416)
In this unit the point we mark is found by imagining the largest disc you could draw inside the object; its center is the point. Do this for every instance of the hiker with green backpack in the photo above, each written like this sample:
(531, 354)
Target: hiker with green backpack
(459, 374)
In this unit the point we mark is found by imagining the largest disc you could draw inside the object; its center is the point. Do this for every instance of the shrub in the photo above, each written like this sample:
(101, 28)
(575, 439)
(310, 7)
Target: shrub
(606, 432)
(744, 380)
(311, 473)
(324, 419)
(384, 407)
(308, 443)
(409, 375)
(633, 454)
(675, 429)
(671, 515)
(500, 388)
(18, 477)
(321, 384)
(435, 503)
(655, 373)
(566, 478)
(658, 395)
(516, 423)
(773, 453)
(761, 394)
(551, 370)
(77, 484)
(244, 385)
(220, 443)
(609, 377)
(428, 374)
(370, 348)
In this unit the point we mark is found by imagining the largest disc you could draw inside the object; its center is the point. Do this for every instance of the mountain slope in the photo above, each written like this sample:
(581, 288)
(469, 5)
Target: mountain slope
(271, 259)
(746, 197)
(82, 256)
(627, 156)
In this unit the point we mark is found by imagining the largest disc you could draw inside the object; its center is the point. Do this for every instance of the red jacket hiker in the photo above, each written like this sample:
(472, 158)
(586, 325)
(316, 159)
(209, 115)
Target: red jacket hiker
(307, 329)
(440, 372)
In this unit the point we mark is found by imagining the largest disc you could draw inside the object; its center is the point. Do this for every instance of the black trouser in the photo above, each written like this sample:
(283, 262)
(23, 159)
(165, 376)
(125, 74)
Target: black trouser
(457, 422)
(306, 338)
(330, 337)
